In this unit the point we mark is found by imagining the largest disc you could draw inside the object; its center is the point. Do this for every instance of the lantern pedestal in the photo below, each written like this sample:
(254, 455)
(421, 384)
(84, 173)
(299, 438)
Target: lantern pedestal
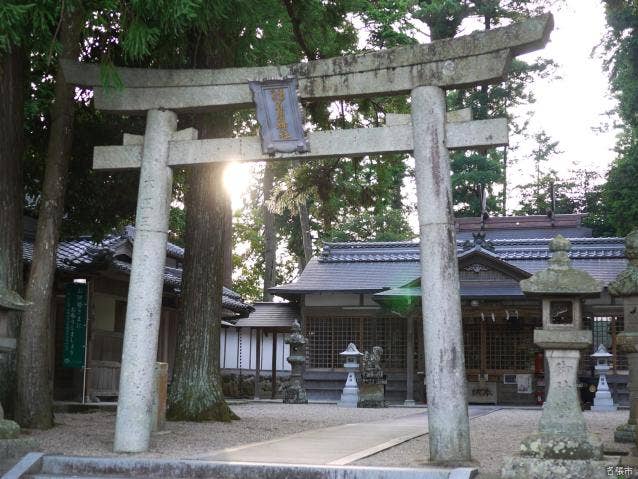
(561, 447)
(625, 286)
(350, 394)
(628, 343)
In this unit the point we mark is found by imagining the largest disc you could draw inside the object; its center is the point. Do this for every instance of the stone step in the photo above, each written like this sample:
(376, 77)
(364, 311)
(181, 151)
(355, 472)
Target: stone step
(57, 476)
(56, 467)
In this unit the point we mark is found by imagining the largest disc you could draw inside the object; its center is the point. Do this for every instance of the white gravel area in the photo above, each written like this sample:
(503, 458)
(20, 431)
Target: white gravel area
(494, 436)
(91, 434)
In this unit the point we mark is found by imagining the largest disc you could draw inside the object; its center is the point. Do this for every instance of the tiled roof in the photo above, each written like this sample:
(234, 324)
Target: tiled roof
(369, 267)
(75, 256)
(505, 249)
(271, 315)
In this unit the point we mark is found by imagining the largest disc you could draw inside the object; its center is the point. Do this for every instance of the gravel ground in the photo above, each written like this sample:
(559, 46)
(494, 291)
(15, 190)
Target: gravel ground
(91, 434)
(494, 436)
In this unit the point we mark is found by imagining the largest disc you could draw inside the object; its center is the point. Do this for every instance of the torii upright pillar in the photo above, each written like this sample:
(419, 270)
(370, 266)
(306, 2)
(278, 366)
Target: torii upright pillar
(448, 421)
(146, 285)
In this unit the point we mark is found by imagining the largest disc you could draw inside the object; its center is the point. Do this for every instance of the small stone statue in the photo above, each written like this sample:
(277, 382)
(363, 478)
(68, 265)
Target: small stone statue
(372, 372)
(295, 392)
(372, 390)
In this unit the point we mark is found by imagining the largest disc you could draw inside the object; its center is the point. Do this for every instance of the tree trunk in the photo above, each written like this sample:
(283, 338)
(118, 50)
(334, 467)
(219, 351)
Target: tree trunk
(270, 238)
(34, 392)
(196, 390)
(12, 87)
(304, 220)
(228, 242)
(304, 223)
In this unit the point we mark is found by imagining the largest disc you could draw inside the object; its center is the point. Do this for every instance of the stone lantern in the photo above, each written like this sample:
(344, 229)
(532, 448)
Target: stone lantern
(12, 446)
(562, 447)
(350, 394)
(295, 392)
(603, 400)
(626, 286)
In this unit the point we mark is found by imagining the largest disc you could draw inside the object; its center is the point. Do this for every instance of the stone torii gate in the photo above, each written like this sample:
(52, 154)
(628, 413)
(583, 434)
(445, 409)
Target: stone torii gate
(423, 71)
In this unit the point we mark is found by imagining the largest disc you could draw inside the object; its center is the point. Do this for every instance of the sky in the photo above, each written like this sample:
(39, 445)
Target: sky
(568, 108)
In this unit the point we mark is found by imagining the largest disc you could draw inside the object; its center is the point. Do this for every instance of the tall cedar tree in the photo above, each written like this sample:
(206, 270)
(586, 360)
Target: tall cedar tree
(12, 89)
(34, 407)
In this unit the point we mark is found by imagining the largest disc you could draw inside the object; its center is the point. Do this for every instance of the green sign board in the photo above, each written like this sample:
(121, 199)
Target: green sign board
(75, 314)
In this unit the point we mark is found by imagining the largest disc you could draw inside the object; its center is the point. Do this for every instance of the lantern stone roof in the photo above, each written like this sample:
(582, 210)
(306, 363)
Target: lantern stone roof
(561, 278)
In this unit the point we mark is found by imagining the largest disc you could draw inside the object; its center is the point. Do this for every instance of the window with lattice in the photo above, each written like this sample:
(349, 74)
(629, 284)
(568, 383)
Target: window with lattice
(328, 336)
(472, 345)
(605, 329)
(508, 348)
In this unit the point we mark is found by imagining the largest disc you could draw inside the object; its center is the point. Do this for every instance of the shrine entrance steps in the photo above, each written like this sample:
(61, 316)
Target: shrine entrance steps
(58, 467)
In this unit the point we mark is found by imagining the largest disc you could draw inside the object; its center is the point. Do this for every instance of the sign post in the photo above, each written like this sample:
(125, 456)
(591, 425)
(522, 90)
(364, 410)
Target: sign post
(75, 316)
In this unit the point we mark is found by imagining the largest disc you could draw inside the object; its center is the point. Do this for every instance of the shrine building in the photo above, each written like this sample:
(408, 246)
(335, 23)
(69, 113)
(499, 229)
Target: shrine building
(366, 292)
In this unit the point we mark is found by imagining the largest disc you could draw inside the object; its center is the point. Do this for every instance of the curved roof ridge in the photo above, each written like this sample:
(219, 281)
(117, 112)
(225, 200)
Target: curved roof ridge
(365, 244)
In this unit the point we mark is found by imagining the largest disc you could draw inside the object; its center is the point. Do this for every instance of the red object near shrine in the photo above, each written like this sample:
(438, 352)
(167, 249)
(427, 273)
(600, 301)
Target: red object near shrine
(538, 363)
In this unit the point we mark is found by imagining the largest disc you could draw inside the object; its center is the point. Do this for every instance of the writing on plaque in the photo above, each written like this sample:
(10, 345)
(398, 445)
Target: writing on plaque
(75, 310)
(279, 116)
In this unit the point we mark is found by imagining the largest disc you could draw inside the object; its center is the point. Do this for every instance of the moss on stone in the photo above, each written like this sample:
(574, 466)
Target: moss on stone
(9, 429)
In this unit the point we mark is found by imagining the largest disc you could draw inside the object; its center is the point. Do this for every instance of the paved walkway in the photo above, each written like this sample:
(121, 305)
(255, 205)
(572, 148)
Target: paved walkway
(337, 445)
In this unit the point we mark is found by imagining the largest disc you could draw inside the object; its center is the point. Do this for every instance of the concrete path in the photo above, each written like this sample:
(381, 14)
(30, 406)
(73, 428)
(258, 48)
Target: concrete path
(337, 445)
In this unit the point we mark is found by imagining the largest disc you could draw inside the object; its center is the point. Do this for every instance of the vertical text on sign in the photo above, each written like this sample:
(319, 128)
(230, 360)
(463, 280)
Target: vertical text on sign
(278, 96)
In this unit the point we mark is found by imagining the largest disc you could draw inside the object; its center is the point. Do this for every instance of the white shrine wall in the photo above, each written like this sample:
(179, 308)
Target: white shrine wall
(238, 350)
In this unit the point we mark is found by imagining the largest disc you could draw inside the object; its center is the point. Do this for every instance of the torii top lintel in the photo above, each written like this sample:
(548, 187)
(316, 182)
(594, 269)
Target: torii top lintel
(476, 58)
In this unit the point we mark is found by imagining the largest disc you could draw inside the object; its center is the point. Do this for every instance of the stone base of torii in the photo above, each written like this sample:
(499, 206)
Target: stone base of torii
(424, 72)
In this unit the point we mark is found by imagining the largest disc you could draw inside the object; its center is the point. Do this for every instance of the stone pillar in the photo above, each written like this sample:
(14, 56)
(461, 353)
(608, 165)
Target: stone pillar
(448, 420)
(273, 367)
(257, 364)
(160, 397)
(626, 286)
(409, 364)
(135, 403)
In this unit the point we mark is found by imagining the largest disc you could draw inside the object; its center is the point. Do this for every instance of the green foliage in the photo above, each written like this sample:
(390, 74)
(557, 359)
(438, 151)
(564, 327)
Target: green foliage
(13, 20)
(620, 195)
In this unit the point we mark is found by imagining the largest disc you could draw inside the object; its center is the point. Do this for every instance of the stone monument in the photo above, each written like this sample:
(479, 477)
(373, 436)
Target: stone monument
(350, 393)
(625, 286)
(423, 71)
(373, 381)
(603, 402)
(562, 447)
(295, 393)
(12, 446)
